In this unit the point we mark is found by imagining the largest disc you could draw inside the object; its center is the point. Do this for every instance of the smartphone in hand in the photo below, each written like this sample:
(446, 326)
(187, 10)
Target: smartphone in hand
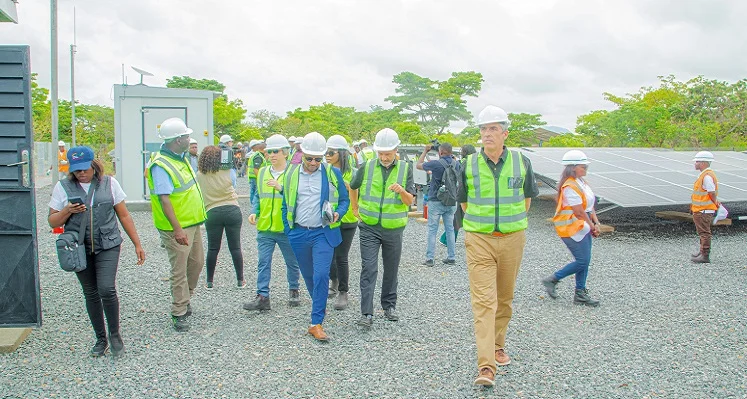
(76, 200)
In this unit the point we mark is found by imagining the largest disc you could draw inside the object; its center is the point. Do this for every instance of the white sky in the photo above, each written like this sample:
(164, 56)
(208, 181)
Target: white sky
(550, 57)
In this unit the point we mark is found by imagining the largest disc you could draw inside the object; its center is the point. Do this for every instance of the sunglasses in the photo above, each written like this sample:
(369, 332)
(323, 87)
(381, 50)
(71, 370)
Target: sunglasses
(273, 151)
(331, 153)
(309, 159)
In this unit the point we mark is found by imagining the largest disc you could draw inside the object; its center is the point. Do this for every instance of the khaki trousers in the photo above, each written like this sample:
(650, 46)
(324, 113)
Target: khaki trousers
(703, 223)
(493, 265)
(186, 264)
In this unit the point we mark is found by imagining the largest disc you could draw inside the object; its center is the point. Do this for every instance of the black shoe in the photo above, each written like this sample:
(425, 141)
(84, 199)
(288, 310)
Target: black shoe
(259, 303)
(701, 258)
(294, 299)
(117, 344)
(189, 310)
(449, 261)
(582, 298)
(100, 348)
(209, 285)
(366, 321)
(391, 314)
(429, 263)
(550, 283)
(180, 323)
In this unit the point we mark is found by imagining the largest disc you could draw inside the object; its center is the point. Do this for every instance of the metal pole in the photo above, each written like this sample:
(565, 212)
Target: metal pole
(72, 90)
(53, 27)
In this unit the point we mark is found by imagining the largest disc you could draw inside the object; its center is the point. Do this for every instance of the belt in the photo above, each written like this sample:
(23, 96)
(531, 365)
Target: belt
(499, 234)
(307, 228)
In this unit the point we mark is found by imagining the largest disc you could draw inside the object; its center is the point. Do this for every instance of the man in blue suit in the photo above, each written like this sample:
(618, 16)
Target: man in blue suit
(315, 199)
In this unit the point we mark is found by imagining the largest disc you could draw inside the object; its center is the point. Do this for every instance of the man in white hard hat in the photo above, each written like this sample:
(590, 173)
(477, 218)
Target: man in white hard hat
(314, 202)
(62, 165)
(496, 189)
(704, 204)
(298, 152)
(365, 153)
(386, 191)
(292, 143)
(193, 155)
(178, 212)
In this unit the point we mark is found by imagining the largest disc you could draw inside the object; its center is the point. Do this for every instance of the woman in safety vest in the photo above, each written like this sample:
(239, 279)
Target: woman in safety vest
(576, 223)
(217, 181)
(89, 200)
(338, 155)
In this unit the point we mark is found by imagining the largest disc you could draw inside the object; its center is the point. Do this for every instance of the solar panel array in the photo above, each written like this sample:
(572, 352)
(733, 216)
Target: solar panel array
(632, 177)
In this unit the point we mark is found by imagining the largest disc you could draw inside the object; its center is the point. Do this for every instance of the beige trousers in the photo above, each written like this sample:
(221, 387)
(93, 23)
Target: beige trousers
(186, 264)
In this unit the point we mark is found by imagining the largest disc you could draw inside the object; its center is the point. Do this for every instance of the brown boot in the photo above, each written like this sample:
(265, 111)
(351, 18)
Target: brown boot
(318, 333)
(486, 377)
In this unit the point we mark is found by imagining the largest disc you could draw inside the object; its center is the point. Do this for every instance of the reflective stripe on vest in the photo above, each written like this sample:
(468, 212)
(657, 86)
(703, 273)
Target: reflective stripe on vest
(492, 204)
(290, 191)
(379, 204)
(565, 220)
(270, 216)
(186, 198)
(700, 200)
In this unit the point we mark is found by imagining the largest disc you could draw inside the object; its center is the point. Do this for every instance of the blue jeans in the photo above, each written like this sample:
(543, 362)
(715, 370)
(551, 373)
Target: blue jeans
(265, 248)
(314, 254)
(437, 210)
(581, 252)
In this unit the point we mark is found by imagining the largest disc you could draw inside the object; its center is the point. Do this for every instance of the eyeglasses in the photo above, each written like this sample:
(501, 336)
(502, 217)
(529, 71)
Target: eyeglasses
(331, 153)
(273, 151)
(309, 159)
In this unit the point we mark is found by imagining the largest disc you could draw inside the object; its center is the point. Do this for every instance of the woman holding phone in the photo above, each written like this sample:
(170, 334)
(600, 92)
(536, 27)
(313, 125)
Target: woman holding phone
(88, 196)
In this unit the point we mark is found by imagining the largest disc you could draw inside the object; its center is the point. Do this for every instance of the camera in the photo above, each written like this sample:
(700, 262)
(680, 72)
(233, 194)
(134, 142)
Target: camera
(435, 144)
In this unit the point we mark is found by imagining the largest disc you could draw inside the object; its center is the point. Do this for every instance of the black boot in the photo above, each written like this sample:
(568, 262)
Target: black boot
(550, 283)
(100, 348)
(259, 303)
(582, 298)
(117, 344)
(703, 257)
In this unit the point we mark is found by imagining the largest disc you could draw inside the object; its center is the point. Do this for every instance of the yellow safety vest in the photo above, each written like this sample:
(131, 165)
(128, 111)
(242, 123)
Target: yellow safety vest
(186, 198)
(379, 204)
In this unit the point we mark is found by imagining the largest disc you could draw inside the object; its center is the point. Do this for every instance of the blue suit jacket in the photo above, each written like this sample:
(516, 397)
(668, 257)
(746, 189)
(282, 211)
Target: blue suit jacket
(333, 235)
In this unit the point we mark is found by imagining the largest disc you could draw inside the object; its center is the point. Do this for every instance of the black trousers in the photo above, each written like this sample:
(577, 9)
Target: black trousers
(390, 241)
(228, 218)
(340, 269)
(100, 290)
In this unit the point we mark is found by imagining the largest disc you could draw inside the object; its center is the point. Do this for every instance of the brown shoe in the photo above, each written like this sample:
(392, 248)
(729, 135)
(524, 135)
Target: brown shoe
(501, 358)
(318, 333)
(486, 377)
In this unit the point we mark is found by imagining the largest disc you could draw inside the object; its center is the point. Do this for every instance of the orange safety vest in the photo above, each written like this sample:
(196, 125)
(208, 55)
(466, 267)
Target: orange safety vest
(62, 156)
(701, 201)
(566, 222)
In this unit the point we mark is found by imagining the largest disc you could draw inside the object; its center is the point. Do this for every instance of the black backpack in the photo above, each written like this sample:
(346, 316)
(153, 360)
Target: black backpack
(447, 193)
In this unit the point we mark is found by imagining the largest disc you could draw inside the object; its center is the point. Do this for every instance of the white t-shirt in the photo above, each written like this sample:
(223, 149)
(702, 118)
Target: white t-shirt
(59, 196)
(571, 198)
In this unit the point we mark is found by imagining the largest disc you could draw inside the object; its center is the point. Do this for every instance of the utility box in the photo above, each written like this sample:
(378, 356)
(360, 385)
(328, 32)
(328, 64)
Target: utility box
(138, 113)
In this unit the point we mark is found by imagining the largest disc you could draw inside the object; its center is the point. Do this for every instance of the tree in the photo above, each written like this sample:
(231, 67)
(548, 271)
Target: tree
(564, 140)
(521, 131)
(265, 121)
(186, 82)
(435, 104)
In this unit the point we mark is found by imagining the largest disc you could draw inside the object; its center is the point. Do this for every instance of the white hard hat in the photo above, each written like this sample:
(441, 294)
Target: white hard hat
(361, 141)
(291, 138)
(575, 157)
(314, 144)
(704, 156)
(356, 143)
(276, 142)
(337, 142)
(299, 140)
(252, 143)
(225, 139)
(192, 141)
(386, 140)
(60, 143)
(492, 114)
(172, 128)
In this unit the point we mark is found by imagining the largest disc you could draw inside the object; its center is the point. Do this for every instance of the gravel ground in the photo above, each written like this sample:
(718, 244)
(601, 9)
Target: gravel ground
(666, 327)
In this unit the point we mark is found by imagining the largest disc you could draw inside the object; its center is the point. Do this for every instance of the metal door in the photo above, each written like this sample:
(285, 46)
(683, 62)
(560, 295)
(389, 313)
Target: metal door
(152, 118)
(20, 304)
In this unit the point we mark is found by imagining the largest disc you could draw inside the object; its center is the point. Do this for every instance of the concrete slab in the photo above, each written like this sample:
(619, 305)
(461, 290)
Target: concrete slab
(12, 338)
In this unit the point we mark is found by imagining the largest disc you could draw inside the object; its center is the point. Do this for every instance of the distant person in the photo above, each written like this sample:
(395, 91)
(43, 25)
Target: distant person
(704, 204)
(178, 212)
(193, 155)
(257, 160)
(297, 152)
(366, 153)
(576, 223)
(438, 211)
(466, 150)
(103, 200)
(63, 168)
(495, 193)
(223, 212)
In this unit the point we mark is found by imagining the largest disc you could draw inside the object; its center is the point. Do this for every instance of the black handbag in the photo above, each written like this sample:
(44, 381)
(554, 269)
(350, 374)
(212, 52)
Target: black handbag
(71, 251)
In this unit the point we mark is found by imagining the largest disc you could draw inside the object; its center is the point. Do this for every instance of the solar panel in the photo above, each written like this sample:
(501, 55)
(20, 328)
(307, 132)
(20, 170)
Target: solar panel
(632, 177)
